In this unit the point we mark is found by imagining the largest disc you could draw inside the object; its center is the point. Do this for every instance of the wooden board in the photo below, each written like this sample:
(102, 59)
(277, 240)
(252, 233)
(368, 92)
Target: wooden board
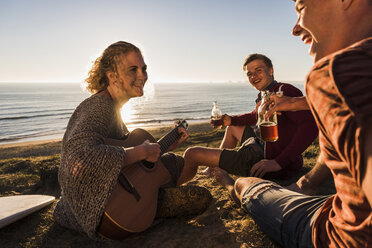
(13, 208)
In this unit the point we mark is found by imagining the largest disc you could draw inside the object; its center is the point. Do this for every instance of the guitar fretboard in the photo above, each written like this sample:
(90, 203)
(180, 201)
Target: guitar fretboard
(168, 140)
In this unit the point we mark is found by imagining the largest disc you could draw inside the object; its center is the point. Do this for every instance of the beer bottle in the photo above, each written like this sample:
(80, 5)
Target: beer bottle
(268, 126)
(216, 116)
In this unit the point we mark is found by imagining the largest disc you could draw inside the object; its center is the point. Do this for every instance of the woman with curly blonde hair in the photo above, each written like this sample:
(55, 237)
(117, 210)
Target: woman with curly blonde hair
(97, 79)
(91, 161)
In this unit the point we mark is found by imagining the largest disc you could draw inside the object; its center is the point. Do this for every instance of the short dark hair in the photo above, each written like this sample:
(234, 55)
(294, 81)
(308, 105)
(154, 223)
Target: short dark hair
(255, 56)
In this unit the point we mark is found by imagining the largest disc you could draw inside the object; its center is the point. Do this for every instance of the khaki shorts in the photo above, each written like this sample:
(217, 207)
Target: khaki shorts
(174, 164)
(240, 160)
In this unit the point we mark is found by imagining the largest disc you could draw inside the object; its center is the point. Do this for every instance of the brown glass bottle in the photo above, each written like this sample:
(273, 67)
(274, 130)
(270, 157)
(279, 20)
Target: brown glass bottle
(216, 116)
(268, 126)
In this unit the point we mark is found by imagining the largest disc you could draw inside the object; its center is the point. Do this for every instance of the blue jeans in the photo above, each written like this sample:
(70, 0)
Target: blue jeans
(286, 216)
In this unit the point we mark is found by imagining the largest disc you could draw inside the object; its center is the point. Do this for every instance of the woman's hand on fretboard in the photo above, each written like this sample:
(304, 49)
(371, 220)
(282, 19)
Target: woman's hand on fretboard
(183, 135)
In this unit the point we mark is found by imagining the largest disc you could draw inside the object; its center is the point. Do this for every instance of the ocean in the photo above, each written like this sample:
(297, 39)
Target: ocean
(40, 111)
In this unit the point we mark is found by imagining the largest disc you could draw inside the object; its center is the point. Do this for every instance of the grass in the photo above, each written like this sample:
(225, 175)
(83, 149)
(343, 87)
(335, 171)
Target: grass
(223, 224)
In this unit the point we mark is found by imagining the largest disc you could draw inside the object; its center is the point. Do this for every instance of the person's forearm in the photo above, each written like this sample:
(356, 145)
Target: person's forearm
(315, 177)
(285, 103)
(298, 103)
(134, 154)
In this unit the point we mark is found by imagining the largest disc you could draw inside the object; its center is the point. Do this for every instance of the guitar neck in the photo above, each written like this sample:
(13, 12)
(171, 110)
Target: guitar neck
(166, 141)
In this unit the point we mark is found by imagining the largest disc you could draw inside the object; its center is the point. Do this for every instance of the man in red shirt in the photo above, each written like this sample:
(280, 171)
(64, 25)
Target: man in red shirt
(283, 159)
(338, 92)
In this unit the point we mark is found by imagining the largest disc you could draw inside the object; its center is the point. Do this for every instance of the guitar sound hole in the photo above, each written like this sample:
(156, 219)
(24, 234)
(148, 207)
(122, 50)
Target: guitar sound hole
(148, 164)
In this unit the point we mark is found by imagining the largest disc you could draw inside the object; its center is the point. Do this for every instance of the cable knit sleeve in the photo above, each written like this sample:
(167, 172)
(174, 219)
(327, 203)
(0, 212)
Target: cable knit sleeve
(89, 168)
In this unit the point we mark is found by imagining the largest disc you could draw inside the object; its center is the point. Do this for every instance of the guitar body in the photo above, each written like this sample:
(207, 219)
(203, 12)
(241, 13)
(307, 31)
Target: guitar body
(124, 214)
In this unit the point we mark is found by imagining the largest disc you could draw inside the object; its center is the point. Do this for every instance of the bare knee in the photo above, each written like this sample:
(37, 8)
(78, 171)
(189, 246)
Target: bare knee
(232, 136)
(228, 129)
(199, 155)
(193, 152)
(243, 183)
(231, 130)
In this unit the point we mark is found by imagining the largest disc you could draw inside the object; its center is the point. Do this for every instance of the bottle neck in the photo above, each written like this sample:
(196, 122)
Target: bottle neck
(268, 88)
(265, 95)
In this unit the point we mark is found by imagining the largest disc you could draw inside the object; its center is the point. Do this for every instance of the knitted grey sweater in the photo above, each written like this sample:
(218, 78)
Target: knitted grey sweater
(89, 169)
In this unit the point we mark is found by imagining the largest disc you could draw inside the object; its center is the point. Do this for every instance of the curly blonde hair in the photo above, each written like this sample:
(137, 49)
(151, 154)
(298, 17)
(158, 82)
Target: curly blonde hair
(97, 79)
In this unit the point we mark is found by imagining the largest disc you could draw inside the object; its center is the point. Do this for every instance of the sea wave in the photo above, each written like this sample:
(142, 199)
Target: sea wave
(33, 116)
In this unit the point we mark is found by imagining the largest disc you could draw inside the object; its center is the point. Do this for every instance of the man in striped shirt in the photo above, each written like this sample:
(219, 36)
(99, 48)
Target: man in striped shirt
(338, 92)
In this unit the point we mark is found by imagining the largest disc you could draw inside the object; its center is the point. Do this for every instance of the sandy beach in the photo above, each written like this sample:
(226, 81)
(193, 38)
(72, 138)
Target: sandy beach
(32, 168)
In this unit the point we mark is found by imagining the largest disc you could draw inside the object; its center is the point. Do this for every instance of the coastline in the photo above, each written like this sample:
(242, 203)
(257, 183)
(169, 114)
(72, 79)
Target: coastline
(154, 130)
(49, 147)
(28, 143)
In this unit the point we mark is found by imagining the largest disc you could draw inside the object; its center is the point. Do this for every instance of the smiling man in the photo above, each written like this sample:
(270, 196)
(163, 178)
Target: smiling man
(338, 92)
(297, 130)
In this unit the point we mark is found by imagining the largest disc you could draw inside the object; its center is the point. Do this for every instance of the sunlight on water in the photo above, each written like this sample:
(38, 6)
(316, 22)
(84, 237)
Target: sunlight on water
(149, 92)
(127, 112)
(131, 108)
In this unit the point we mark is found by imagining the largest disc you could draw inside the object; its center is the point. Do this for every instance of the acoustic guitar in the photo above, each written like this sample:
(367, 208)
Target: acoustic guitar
(131, 207)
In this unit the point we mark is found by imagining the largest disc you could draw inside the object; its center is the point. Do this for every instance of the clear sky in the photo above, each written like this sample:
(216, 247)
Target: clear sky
(182, 40)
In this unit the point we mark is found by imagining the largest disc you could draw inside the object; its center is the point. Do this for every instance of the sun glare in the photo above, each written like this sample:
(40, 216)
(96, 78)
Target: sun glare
(130, 110)
(127, 112)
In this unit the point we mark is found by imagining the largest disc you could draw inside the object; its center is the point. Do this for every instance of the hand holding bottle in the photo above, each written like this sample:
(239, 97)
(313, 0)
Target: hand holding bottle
(216, 116)
(267, 124)
(224, 121)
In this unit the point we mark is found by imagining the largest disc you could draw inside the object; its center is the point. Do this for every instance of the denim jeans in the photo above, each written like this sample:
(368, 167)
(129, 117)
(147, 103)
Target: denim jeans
(286, 216)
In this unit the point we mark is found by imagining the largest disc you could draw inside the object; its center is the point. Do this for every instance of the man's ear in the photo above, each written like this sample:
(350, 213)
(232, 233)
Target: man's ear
(272, 71)
(346, 4)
